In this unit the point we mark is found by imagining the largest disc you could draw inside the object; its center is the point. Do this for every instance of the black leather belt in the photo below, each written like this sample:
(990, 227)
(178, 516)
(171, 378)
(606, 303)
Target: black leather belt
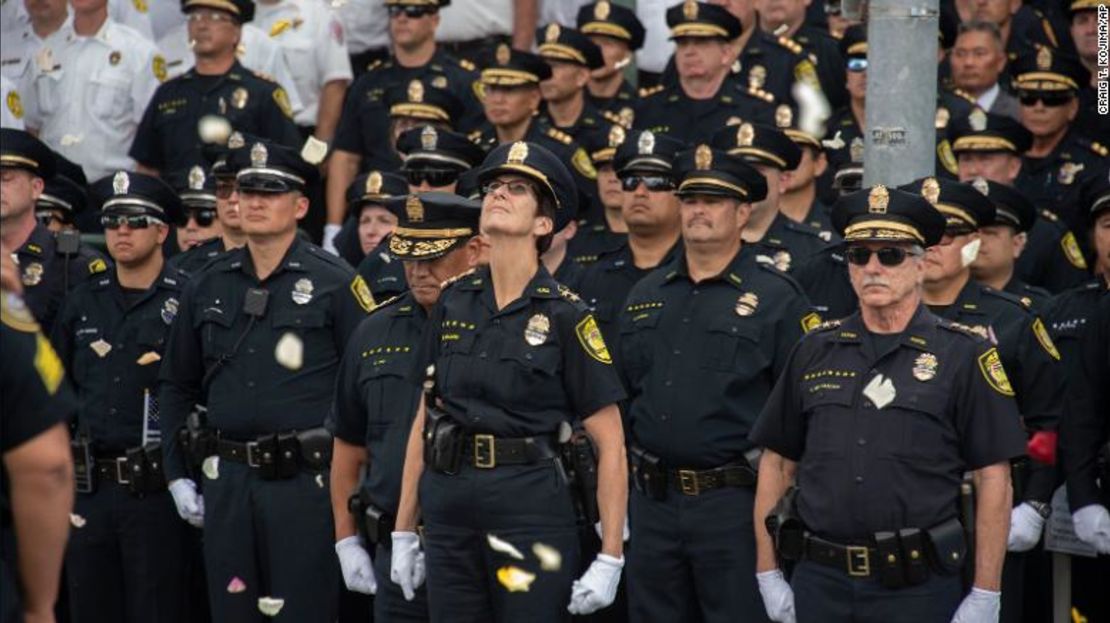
(116, 469)
(696, 482)
(246, 452)
(859, 561)
(488, 452)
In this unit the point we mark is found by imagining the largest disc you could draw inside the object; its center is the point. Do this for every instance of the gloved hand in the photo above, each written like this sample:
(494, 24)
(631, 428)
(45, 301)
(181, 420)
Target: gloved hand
(1092, 526)
(190, 505)
(1025, 528)
(778, 597)
(406, 567)
(980, 606)
(625, 533)
(354, 561)
(330, 232)
(597, 588)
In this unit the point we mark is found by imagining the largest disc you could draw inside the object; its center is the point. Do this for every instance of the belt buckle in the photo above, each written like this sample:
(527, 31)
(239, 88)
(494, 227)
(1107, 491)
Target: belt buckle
(688, 482)
(252, 446)
(121, 469)
(859, 563)
(485, 451)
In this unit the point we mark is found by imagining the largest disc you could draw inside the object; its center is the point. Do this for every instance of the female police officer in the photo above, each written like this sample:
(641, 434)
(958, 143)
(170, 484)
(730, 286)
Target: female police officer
(516, 358)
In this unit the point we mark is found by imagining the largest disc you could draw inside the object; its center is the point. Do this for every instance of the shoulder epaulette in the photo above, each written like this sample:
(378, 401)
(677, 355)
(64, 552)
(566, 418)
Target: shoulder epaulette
(790, 44)
(959, 327)
(958, 92)
(1099, 149)
(1013, 299)
(757, 92)
(467, 65)
(448, 282)
(569, 294)
(649, 91)
(375, 65)
(386, 303)
(560, 136)
(321, 254)
(475, 136)
(1049, 215)
(825, 326)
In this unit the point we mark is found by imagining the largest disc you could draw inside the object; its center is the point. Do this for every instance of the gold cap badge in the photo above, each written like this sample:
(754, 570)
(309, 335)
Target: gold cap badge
(878, 200)
(703, 157)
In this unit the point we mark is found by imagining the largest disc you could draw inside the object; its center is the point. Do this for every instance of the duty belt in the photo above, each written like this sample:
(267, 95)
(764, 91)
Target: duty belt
(246, 452)
(117, 469)
(856, 560)
(696, 482)
(488, 452)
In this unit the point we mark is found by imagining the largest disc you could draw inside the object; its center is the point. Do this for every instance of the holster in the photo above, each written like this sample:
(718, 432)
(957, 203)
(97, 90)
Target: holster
(316, 446)
(580, 459)
(1104, 474)
(444, 440)
(947, 547)
(84, 468)
(914, 555)
(1020, 470)
(649, 476)
(891, 572)
(198, 441)
(144, 464)
(278, 456)
(786, 528)
(374, 523)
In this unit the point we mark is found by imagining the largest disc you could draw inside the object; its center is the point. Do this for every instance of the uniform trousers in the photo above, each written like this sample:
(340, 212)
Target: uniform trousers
(826, 595)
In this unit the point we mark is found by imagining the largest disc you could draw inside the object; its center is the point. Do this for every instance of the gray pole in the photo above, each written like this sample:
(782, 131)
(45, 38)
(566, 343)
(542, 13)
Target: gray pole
(900, 137)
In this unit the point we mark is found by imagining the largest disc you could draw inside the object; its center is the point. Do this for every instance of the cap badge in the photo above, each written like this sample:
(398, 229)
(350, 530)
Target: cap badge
(235, 141)
(503, 54)
(259, 155)
(374, 183)
(977, 120)
(703, 157)
(601, 10)
(690, 9)
(1044, 58)
(414, 209)
(745, 135)
(645, 146)
(855, 150)
(551, 35)
(878, 200)
(121, 183)
(428, 138)
(416, 92)
(930, 189)
(982, 186)
(196, 178)
(518, 153)
(784, 117)
(616, 136)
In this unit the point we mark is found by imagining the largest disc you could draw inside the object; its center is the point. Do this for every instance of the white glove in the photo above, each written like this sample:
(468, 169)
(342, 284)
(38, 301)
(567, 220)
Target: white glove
(406, 567)
(1092, 526)
(625, 533)
(1025, 528)
(980, 606)
(358, 573)
(778, 597)
(189, 504)
(597, 588)
(330, 232)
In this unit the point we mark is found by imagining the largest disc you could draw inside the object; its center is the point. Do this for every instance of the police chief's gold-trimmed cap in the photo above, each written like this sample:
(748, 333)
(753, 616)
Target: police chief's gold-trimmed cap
(612, 20)
(985, 132)
(702, 20)
(507, 67)
(21, 150)
(887, 214)
(1075, 6)
(964, 208)
(241, 10)
(1048, 69)
(707, 171)
(431, 224)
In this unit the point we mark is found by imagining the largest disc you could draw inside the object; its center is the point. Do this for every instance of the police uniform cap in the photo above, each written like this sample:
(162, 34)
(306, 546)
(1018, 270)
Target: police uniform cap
(227, 158)
(196, 188)
(948, 26)
(536, 163)
(1094, 194)
(267, 167)
(419, 100)
(1075, 6)
(602, 144)
(506, 67)
(1011, 207)
(21, 150)
(430, 3)
(1045, 69)
(648, 152)
(468, 185)
(887, 214)
(701, 20)
(607, 19)
(431, 224)
(429, 147)
(124, 192)
(707, 171)
(374, 188)
(66, 189)
(848, 178)
(854, 42)
(964, 208)
(560, 44)
(987, 132)
(241, 10)
(759, 144)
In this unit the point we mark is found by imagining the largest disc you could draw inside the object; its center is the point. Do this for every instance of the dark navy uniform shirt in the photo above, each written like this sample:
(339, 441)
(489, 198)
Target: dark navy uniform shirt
(621, 108)
(593, 240)
(787, 244)
(865, 465)
(46, 273)
(591, 120)
(699, 359)
(1031, 296)
(522, 370)
(606, 283)
(191, 261)
(1052, 258)
(824, 277)
(670, 111)
(1054, 179)
(383, 273)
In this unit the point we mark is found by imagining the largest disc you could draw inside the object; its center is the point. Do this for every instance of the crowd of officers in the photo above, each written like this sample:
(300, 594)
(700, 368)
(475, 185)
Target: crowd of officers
(567, 348)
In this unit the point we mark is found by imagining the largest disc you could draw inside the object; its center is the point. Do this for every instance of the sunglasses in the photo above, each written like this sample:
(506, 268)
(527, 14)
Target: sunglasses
(1051, 100)
(134, 221)
(857, 65)
(436, 178)
(203, 216)
(654, 183)
(46, 218)
(208, 16)
(888, 256)
(411, 12)
(515, 188)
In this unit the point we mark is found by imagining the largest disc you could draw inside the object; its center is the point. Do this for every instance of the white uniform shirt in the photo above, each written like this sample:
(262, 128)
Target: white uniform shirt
(133, 13)
(314, 45)
(11, 112)
(466, 20)
(19, 47)
(657, 49)
(92, 99)
(365, 24)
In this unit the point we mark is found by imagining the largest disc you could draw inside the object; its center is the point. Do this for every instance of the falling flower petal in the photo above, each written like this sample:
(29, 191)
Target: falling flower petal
(236, 585)
(270, 606)
(211, 467)
(550, 558)
(515, 579)
(76, 520)
(504, 547)
(320, 480)
(289, 351)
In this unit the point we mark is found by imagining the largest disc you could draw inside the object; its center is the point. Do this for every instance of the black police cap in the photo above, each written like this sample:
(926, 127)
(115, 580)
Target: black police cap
(985, 132)
(1045, 69)
(759, 144)
(602, 144)
(1075, 6)
(196, 188)
(507, 67)
(786, 120)
(431, 224)
(241, 10)
(887, 214)
(66, 189)
(707, 171)
(854, 42)
(21, 150)
(272, 168)
(429, 147)
(964, 208)
(374, 188)
(428, 3)
(701, 20)
(1011, 207)
(647, 151)
(124, 192)
(1094, 193)
(468, 185)
(540, 165)
(611, 20)
(419, 100)
(558, 43)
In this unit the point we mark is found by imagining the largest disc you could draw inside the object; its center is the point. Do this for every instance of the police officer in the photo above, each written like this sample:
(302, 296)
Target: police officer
(516, 359)
(258, 339)
(1001, 243)
(63, 197)
(49, 267)
(991, 146)
(593, 239)
(415, 55)
(705, 95)
(367, 198)
(571, 56)
(644, 165)
(20, 45)
(777, 239)
(703, 338)
(198, 205)
(786, 22)
(618, 32)
(125, 561)
(843, 127)
(800, 202)
(875, 419)
(1026, 351)
(374, 402)
(167, 141)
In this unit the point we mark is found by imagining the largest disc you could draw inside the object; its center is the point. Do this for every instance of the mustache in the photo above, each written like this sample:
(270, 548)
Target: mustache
(874, 281)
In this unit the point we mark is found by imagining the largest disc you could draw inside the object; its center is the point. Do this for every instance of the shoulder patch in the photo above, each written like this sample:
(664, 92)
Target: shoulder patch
(560, 136)
(97, 266)
(648, 91)
(589, 335)
(14, 314)
(281, 98)
(1071, 251)
(140, 6)
(362, 293)
(811, 322)
(15, 104)
(47, 364)
(990, 364)
(583, 164)
(158, 66)
(1045, 341)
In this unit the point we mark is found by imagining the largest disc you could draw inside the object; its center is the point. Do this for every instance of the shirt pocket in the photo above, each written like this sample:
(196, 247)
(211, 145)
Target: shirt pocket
(637, 336)
(214, 326)
(827, 409)
(109, 92)
(533, 374)
(384, 386)
(918, 426)
(732, 345)
(300, 55)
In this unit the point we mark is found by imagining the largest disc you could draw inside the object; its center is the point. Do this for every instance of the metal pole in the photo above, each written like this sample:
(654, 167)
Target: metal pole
(900, 137)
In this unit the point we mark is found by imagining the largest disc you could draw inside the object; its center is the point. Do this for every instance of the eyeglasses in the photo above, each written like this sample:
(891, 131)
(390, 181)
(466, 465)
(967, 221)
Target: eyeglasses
(857, 65)
(224, 188)
(133, 221)
(1051, 100)
(208, 16)
(516, 188)
(436, 178)
(410, 11)
(203, 216)
(654, 183)
(47, 218)
(888, 256)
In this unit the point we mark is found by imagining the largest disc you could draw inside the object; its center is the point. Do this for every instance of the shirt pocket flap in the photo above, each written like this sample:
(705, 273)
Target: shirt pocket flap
(300, 318)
